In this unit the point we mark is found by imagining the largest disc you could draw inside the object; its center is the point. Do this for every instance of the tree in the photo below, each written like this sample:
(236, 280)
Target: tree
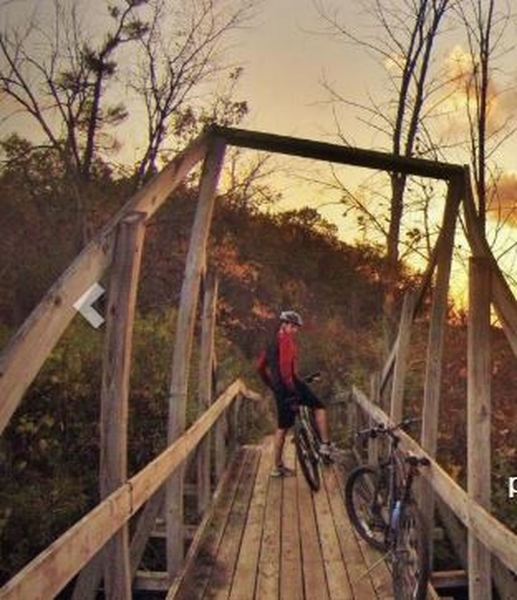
(403, 44)
(59, 78)
(485, 25)
(172, 69)
(64, 78)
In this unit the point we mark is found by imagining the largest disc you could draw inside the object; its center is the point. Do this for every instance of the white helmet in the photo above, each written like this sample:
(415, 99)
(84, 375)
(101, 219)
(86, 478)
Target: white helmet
(290, 316)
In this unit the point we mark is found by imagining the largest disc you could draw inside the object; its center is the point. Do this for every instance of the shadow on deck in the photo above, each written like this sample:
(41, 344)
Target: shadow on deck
(273, 538)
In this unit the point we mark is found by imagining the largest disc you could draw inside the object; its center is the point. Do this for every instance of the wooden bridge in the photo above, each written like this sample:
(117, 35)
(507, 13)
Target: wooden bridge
(257, 537)
(274, 538)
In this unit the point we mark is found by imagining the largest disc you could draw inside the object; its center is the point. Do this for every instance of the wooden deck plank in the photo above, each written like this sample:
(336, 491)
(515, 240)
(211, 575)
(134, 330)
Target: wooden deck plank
(380, 574)
(245, 578)
(196, 580)
(314, 577)
(222, 576)
(268, 576)
(337, 576)
(361, 585)
(291, 581)
(273, 539)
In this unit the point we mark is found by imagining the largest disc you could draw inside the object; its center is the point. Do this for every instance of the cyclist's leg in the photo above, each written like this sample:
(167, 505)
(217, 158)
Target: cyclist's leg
(285, 420)
(279, 446)
(320, 414)
(309, 398)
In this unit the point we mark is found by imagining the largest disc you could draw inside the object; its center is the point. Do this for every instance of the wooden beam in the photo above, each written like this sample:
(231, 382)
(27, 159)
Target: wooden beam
(28, 349)
(220, 454)
(160, 532)
(373, 443)
(195, 264)
(206, 361)
(146, 522)
(503, 299)
(114, 560)
(336, 153)
(151, 581)
(478, 418)
(89, 579)
(46, 575)
(116, 370)
(433, 373)
(401, 360)
(449, 579)
(492, 533)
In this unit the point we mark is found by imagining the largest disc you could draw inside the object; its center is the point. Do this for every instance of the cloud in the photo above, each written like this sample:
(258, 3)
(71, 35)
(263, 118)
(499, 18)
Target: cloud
(502, 97)
(503, 204)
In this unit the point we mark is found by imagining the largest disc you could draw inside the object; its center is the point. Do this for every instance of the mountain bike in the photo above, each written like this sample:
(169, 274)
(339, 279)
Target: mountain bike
(307, 440)
(380, 504)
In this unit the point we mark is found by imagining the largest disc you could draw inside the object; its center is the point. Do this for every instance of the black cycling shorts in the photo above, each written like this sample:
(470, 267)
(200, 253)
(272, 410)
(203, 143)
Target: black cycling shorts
(285, 412)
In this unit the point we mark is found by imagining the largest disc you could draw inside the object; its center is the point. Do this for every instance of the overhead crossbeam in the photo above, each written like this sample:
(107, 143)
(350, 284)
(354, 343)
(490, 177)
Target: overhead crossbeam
(336, 153)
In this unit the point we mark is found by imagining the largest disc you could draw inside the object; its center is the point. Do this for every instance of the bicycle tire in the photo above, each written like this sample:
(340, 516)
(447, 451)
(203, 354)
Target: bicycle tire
(411, 555)
(307, 458)
(366, 497)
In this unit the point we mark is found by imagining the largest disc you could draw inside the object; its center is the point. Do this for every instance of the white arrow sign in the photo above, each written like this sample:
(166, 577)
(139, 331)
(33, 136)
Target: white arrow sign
(84, 305)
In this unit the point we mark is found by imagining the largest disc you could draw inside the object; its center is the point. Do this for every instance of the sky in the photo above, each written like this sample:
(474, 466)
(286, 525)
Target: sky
(287, 53)
(287, 96)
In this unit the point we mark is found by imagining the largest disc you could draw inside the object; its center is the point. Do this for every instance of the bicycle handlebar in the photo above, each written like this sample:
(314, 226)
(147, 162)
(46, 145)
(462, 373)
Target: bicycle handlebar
(382, 429)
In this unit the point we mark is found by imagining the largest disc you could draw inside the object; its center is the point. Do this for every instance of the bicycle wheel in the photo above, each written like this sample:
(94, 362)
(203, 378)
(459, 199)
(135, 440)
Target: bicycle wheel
(366, 500)
(307, 457)
(411, 556)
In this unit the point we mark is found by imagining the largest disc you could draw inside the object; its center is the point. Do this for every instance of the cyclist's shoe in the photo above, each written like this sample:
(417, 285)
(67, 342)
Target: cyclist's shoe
(326, 450)
(282, 471)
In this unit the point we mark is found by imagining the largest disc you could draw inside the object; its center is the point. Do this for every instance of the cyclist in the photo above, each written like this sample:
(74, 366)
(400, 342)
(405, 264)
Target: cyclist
(277, 367)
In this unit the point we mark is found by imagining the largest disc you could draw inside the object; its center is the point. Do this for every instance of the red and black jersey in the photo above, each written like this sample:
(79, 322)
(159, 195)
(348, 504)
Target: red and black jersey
(277, 364)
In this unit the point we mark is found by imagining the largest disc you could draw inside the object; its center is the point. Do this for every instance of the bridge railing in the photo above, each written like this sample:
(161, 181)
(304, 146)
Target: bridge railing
(490, 548)
(49, 572)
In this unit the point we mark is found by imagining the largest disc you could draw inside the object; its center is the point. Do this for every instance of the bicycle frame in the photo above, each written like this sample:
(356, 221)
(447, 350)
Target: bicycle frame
(397, 479)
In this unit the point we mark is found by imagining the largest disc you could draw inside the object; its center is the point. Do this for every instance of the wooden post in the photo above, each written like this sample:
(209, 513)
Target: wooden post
(478, 418)
(433, 374)
(205, 387)
(115, 390)
(221, 430)
(195, 264)
(401, 359)
(352, 418)
(234, 423)
(373, 443)
(144, 527)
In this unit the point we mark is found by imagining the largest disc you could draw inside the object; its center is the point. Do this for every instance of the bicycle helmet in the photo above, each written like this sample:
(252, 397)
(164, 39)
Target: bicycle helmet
(290, 316)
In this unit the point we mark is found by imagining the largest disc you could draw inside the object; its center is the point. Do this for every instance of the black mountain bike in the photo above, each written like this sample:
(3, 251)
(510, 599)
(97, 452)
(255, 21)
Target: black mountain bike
(307, 440)
(381, 507)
